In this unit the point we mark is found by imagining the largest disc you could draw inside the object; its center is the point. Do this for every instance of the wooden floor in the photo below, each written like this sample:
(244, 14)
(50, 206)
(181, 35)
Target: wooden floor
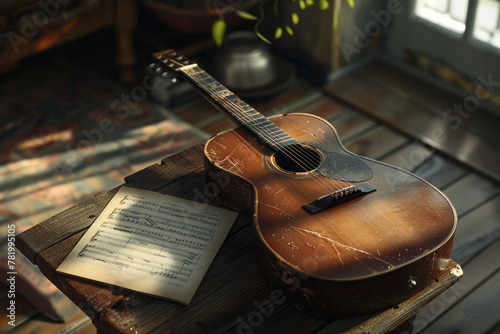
(383, 113)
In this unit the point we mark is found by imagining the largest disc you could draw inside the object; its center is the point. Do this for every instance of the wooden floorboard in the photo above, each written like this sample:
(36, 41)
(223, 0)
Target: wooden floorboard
(418, 118)
(440, 170)
(446, 311)
(476, 120)
(476, 230)
(470, 191)
(376, 142)
(476, 197)
(476, 313)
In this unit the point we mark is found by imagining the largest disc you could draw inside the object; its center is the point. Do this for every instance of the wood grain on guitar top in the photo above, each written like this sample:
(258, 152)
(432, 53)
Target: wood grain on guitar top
(400, 234)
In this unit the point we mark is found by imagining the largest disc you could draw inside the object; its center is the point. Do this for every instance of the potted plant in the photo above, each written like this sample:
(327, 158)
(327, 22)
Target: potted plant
(282, 24)
(198, 16)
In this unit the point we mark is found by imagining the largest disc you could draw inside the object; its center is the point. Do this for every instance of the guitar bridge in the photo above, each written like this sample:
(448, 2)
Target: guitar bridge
(338, 197)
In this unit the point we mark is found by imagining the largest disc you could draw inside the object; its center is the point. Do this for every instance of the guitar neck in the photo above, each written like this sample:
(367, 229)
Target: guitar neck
(238, 110)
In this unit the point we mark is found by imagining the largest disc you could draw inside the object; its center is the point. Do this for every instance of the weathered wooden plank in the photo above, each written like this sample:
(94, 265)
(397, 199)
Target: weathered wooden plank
(399, 82)
(230, 280)
(376, 142)
(409, 156)
(96, 298)
(324, 107)
(84, 292)
(299, 96)
(394, 317)
(476, 313)
(350, 124)
(91, 297)
(477, 229)
(403, 114)
(62, 225)
(171, 168)
(476, 272)
(79, 323)
(82, 215)
(440, 171)
(470, 191)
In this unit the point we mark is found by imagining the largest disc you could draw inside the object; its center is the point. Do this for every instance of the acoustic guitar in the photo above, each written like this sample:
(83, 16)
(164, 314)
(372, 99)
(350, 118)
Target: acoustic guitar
(340, 233)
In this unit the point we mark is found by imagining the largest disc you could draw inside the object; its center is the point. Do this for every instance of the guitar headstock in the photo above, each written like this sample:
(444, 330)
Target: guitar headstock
(170, 61)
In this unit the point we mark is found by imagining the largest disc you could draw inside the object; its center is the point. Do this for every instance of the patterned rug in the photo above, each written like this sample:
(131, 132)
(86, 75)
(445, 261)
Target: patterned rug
(66, 134)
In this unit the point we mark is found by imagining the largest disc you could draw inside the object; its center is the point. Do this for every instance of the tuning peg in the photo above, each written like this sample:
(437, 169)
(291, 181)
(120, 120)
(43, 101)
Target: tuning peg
(164, 74)
(152, 65)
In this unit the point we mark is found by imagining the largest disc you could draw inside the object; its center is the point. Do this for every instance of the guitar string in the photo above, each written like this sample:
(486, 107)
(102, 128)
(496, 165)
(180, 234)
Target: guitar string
(245, 116)
(291, 152)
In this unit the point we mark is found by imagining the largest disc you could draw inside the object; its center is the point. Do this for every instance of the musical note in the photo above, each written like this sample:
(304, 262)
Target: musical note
(150, 237)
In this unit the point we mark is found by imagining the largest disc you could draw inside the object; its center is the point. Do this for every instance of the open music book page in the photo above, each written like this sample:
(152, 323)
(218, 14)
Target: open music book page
(151, 243)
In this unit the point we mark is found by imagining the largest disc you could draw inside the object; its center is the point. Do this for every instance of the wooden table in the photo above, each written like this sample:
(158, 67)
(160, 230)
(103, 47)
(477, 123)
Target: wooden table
(232, 298)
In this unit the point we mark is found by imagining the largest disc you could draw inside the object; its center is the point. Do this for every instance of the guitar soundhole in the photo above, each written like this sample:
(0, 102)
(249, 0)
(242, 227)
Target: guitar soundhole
(297, 158)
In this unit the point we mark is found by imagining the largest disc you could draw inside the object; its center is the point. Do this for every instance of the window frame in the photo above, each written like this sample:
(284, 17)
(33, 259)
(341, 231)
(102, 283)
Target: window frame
(462, 51)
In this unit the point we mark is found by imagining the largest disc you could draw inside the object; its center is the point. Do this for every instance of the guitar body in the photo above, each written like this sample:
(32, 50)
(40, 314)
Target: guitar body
(364, 255)
(341, 234)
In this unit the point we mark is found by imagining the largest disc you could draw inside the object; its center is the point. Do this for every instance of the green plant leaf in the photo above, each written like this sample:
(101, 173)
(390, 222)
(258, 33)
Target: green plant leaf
(324, 5)
(351, 3)
(295, 18)
(289, 30)
(246, 15)
(309, 3)
(218, 31)
(262, 37)
(278, 33)
(302, 4)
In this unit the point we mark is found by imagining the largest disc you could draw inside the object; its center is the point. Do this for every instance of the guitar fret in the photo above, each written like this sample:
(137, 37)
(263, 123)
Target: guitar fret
(247, 116)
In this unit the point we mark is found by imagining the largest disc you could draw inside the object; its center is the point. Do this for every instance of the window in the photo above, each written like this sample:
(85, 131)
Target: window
(487, 22)
(464, 34)
(450, 14)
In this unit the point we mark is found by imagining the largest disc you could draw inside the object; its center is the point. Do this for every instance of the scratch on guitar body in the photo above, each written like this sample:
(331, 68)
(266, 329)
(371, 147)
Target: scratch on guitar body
(281, 211)
(336, 243)
(234, 165)
(215, 141)
(276, 194)
(269, 190)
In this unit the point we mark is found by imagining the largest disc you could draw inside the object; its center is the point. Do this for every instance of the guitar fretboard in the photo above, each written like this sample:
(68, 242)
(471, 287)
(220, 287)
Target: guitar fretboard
(239, 110)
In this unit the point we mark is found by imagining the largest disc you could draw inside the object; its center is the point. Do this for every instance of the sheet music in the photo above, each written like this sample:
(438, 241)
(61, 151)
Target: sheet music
(151, 243)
